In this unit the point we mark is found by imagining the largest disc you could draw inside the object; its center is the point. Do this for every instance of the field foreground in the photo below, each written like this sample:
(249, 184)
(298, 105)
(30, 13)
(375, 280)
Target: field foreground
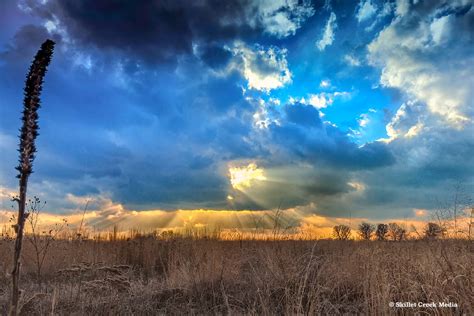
(184, 276)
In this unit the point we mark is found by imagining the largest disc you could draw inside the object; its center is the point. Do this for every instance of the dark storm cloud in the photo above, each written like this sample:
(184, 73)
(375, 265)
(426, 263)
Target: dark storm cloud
(154, 31)
(25, 43)
(171, 188)
(160, 31)
(303, 135)
(427, 168)
(303, 115)
(214, 55)
(87, 158)
(436, 156)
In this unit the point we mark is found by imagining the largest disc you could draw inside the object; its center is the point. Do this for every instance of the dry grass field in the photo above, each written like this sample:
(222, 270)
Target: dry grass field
(149, 276)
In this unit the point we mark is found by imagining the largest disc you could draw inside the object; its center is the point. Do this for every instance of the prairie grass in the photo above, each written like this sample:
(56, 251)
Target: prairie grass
(149, 276)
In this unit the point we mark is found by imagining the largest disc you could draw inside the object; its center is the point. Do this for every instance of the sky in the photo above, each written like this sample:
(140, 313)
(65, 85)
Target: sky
(337, 109)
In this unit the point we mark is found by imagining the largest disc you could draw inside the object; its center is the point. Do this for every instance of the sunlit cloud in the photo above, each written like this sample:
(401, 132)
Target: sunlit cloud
(414, 130)
(405, 122)
(358, 186)
(6, 193)
(442, 81)
(420, 212)
(281, 18)
(264, 68)
(243, 177)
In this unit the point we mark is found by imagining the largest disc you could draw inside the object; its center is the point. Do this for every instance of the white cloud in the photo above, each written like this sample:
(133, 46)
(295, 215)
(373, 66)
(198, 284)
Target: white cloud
(54, 26)
(261, 119)
(351, 60)
(402, 7)
(319, 101)
(385, 11)
(325, 83)
(412, 60)
(322, 100)
(328, 34)
(82, 60)
(363, 120)
(264, 69)
(342, 94)
(366, 10)
(280, 18)
(266, 112)
(441, 29)
(50, 26)
(275, 101)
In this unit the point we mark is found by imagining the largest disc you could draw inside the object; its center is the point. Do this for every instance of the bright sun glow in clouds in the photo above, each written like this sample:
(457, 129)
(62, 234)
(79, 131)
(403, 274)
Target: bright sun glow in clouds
(242, 177)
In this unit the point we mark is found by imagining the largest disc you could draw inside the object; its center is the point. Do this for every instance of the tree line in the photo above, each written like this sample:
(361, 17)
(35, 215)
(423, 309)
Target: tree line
(384, 232)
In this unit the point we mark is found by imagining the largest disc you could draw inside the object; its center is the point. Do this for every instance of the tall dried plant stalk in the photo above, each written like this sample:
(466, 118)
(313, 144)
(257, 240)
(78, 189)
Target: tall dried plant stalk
(28, 134)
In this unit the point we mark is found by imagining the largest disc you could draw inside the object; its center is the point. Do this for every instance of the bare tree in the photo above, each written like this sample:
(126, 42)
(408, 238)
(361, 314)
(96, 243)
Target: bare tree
(448, 212)
(277, 218)
(381, 232)
(342, 232)
(257, 221)
(282, 223)
(434, 231)
(366, 231)
(40, 240)
(79, 232)
(28, 134)
(396, 232)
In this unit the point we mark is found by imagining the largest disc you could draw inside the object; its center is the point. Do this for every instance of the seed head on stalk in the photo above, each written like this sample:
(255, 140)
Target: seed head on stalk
(27, 149)
(31, 103)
